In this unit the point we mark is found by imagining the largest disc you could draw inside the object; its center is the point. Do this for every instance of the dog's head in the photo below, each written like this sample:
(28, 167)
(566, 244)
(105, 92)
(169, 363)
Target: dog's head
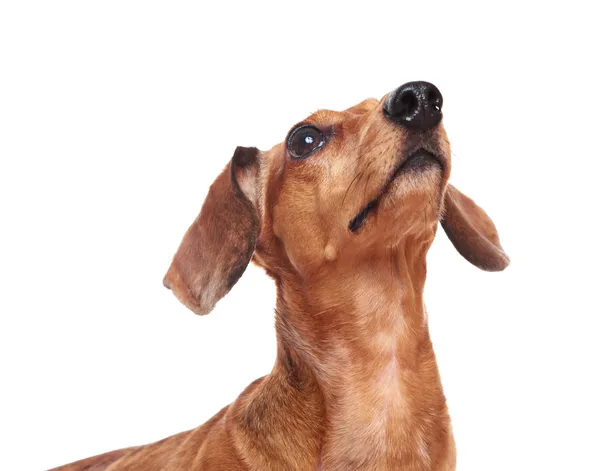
(342, 187)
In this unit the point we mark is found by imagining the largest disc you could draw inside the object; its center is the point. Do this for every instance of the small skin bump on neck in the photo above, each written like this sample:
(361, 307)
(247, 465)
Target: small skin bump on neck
(330, 253)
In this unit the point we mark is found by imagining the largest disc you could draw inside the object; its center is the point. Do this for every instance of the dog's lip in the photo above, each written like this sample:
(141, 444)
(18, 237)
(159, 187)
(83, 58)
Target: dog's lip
(418, 160)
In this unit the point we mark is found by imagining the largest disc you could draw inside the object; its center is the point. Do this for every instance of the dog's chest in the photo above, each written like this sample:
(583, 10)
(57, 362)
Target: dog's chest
(372, 422)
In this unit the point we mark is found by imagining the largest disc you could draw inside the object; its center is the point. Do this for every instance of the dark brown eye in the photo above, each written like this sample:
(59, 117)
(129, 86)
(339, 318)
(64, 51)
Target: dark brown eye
(305, 141)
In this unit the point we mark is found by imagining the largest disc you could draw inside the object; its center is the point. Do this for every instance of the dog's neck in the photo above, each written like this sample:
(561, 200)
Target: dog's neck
(361, 334)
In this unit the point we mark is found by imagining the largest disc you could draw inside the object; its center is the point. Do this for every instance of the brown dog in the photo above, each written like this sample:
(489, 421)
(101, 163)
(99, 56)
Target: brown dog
(341, 216)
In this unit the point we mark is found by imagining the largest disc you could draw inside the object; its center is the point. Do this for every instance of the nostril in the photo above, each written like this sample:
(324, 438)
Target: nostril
(434, 99)
(408, 103)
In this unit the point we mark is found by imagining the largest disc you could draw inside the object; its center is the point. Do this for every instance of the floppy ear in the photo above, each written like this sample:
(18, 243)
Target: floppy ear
(218, 246)
(472, 232)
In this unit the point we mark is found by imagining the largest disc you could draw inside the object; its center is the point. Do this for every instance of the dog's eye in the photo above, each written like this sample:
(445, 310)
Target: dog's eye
(304, 141)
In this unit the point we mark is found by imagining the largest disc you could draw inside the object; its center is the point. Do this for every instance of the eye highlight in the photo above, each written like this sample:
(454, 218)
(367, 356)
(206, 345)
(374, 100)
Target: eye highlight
(305, 141)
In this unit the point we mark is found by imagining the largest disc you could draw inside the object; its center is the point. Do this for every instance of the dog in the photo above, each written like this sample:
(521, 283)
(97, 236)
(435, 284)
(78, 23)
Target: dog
(341, 215)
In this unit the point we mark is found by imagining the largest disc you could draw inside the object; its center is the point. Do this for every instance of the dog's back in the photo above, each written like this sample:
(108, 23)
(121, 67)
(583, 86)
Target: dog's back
(175, 452)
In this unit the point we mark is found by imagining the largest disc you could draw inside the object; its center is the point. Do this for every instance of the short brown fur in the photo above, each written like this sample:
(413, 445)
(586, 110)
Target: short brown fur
(355, 385)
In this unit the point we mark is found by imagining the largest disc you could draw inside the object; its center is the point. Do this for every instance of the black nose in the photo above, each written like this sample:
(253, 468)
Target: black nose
(416, 105)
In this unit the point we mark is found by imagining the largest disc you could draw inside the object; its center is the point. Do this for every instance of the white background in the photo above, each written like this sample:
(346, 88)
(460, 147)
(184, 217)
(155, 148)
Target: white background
(116, 116)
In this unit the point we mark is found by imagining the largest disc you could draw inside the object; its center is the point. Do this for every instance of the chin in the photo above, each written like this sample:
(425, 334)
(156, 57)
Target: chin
(413, 207)
(414, 190)
(422, 187)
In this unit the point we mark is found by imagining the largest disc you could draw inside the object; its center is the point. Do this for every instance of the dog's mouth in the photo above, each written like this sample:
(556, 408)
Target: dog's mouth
(418, 161)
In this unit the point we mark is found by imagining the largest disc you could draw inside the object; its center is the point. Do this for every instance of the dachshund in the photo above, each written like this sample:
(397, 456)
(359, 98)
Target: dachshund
(340, 215)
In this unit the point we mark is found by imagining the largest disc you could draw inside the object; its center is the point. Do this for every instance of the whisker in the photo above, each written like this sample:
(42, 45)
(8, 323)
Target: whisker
(357, 176)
